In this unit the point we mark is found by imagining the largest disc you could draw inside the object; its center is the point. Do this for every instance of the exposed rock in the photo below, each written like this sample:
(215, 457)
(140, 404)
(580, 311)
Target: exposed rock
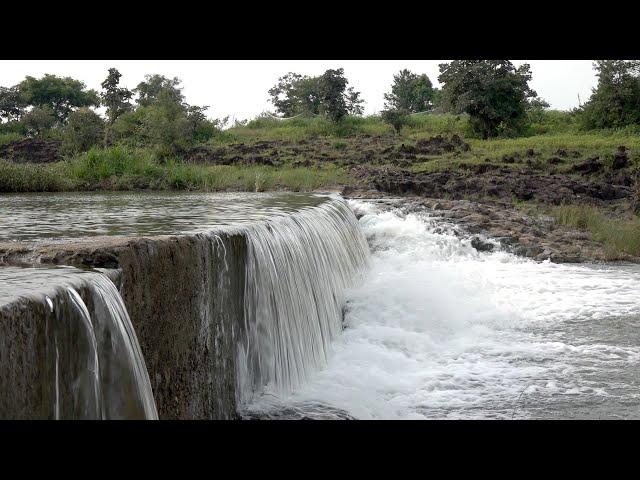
(481, 245)
(500, 182)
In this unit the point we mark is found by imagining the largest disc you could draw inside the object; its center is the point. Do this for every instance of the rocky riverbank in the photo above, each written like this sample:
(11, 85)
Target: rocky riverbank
(523, 230)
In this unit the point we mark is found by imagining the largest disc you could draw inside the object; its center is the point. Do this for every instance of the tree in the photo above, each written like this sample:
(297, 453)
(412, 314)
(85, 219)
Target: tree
(12, 103)
(83, 130)
(61, 95)
(295, 94)
(396, 117)
(39, 120)
(411, 92)
(615, 102)
(154, 85)
(115, 98)
(537, 109)
(326, 94)
(494, 93)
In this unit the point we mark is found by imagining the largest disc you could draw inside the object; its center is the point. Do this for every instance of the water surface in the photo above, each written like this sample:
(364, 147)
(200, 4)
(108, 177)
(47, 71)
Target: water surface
(45, 216)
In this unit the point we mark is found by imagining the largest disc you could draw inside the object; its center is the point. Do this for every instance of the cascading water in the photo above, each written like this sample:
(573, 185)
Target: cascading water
(298, 268)
(96, 369)
(440, 330)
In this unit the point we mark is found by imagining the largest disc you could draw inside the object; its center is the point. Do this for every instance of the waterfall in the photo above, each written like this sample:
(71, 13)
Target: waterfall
(100, 372)
(297, 270)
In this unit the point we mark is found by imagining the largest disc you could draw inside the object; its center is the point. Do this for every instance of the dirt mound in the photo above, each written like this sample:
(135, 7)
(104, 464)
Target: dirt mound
(439, 145)
(32, 150)
(620, 158)
(588, 167)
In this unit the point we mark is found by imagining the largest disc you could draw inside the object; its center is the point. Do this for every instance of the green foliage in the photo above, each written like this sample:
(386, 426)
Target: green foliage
(295, 94)
(410, 92)
(163, 120)
(615, 102)
(83, 130)
(99, 164)
(33, 178)
(621, 235)
(336, 100)
(39, 120)
(123, 168)
(493, 93)
(13, 127)
(396, 117)
(6, 138)
(12, 104)
(156, 86)
(115, 98)
(327, 94)
(60, 95)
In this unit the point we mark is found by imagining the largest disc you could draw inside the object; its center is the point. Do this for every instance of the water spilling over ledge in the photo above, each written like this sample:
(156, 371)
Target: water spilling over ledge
(68, 349)
(218, 314)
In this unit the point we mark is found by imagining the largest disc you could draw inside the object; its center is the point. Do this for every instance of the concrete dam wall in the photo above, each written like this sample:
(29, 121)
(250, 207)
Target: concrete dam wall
(215, 315)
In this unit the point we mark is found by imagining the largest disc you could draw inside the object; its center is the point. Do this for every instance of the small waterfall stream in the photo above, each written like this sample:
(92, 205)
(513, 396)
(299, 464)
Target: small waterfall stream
(100, 372)
(298, 269)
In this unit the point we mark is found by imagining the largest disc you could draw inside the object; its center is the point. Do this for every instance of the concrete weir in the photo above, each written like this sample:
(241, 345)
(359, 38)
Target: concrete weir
(210, 312)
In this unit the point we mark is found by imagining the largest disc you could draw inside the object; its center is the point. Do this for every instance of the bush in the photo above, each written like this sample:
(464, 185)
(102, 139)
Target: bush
(396, 117)
(39, 120)
(33, 178)
(84, 129)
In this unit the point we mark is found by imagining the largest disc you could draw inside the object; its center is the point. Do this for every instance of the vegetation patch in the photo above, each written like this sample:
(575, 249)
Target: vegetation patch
(620, 235)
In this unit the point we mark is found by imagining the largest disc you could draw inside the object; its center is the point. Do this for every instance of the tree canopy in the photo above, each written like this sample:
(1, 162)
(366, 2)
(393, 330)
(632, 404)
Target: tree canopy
(327, 94)
(410, 92)
(494, 93)
(615, 102)
(115, 98)
(61, 94)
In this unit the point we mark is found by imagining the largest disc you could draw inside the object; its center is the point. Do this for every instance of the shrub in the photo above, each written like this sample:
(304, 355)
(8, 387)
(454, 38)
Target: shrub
(84, 129)
(396, 117)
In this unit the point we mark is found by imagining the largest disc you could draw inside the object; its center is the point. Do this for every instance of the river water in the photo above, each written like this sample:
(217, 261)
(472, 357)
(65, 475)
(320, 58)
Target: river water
(431, 329)
(438, 330)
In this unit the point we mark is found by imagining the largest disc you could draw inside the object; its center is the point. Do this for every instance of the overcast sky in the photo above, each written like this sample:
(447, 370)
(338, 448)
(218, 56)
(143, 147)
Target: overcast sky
(238, 88)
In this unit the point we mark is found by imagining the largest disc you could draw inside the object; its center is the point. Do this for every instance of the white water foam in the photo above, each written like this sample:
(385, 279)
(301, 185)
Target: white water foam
(439, 330)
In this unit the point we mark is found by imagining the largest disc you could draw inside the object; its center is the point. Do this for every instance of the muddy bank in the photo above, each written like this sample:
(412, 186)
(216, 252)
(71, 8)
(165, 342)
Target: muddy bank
(499, 183)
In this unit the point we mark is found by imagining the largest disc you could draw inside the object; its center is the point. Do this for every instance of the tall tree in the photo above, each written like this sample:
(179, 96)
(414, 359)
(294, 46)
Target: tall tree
(61, 95)
(12, 103)
(115, 98)
(615, 102)
(411, 92)
(154, 85)
(494, 93)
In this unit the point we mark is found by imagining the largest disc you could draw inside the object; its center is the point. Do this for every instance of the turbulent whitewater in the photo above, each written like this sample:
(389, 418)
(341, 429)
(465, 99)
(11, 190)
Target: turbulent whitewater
(439, 330)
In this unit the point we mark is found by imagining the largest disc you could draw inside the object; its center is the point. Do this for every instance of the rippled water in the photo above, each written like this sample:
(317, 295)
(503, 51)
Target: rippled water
(28, 217)
(439, 330)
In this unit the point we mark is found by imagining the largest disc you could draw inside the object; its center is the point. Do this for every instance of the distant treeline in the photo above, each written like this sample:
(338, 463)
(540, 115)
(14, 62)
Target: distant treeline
(493, 94)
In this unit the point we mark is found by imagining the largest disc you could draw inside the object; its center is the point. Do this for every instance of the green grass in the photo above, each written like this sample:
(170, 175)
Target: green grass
(34, 178)
(619, 235)
(121, 168)
(9, 137)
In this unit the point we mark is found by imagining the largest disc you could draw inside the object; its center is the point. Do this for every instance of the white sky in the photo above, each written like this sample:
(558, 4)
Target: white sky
(238, 88)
